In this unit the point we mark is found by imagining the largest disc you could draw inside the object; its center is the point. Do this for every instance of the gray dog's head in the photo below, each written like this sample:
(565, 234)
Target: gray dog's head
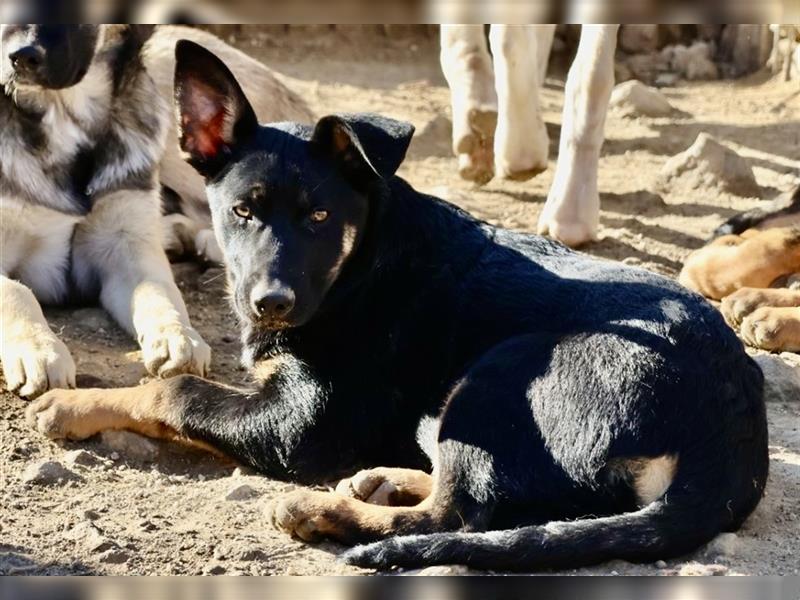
(47, 56)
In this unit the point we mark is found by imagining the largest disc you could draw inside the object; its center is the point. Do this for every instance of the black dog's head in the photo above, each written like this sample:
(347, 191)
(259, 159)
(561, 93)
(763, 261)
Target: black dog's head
(47, 56)
(289, 202)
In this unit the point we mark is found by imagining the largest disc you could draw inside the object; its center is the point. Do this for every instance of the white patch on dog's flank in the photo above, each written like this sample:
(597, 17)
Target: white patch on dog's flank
(649, 477)
(654, 478)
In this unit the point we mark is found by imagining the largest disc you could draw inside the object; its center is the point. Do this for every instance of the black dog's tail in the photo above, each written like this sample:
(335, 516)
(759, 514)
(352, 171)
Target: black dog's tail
(687, 516)
(662, 530)
(785, 205)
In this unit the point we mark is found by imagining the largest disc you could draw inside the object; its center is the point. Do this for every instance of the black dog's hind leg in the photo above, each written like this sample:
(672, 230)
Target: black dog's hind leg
(486, 440)
(720, 475)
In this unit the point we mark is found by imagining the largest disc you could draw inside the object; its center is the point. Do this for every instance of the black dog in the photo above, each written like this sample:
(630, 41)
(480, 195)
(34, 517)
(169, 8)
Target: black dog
(605, 409)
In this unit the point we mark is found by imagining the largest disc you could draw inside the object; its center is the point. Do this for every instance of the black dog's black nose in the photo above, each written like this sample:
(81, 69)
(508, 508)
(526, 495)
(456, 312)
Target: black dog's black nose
(276, 303)
(27, 59)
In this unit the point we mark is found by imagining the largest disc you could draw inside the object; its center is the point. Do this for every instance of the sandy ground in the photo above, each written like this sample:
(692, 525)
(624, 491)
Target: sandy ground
(169, 514)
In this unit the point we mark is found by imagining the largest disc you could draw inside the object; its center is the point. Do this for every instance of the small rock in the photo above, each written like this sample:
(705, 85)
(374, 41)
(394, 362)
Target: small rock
(148, 526)
(90, 536)
(82, 458)
(114, 556)
(251, 554)
(707, 163)
(130, 445)
(660, 564)
(631, 260)
(242, 492)
(781, 381)
(724, 545)
(214, 569)
(635, 99)
(47, 473)
(220, 553)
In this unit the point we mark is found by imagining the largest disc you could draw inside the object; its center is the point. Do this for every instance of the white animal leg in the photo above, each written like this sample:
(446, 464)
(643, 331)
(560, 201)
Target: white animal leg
(34, 359)
(121, 239)
(521, 143)
(467, 67)
(544, 43)
(572, 211)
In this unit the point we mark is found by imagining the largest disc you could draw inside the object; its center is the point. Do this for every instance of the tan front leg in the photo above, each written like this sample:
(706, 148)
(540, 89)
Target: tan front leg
(755, 261)
(79, 414)
(775, 329)
(387, 486)
(745, 301)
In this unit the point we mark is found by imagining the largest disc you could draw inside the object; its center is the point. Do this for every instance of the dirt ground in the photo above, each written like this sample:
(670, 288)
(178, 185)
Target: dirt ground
(169, 514)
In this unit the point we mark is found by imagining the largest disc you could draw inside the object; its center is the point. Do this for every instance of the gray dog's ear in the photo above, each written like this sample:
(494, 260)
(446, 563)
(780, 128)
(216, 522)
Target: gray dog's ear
(363, 144)
(213, 112)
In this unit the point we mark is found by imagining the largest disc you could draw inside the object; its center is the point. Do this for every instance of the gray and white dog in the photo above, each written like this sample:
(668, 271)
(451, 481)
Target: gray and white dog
(82, 131)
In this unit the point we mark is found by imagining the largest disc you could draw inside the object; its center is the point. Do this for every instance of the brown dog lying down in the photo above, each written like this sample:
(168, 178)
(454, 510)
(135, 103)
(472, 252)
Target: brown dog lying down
(755, 252)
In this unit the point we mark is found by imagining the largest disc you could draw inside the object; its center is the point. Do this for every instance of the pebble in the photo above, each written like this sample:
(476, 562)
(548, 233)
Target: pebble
(114, 556)
(724, 545)
(91, 537)
(660, 564)
(82, 458)
(251, 554)
(47, 473)
(90, 514)
(214, 569)
(148, 526)
(241, 492)
(130, 445)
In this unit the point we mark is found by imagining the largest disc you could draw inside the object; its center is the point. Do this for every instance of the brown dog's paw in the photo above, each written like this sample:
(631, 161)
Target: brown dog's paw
(59, 414)
(302, 514)
(775, 329)
(387, 486)
(742, 303)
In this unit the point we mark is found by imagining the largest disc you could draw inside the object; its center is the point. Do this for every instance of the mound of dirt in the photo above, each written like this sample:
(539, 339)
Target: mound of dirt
(709, 164)
(635, 99)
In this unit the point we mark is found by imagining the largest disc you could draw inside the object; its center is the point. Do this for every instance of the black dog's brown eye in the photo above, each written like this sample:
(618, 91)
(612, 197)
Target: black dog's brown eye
(318, 215)
(243, 211)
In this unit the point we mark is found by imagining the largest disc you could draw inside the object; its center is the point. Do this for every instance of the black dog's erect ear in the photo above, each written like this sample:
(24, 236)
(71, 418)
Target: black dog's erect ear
(213, 112)
(363, 144)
